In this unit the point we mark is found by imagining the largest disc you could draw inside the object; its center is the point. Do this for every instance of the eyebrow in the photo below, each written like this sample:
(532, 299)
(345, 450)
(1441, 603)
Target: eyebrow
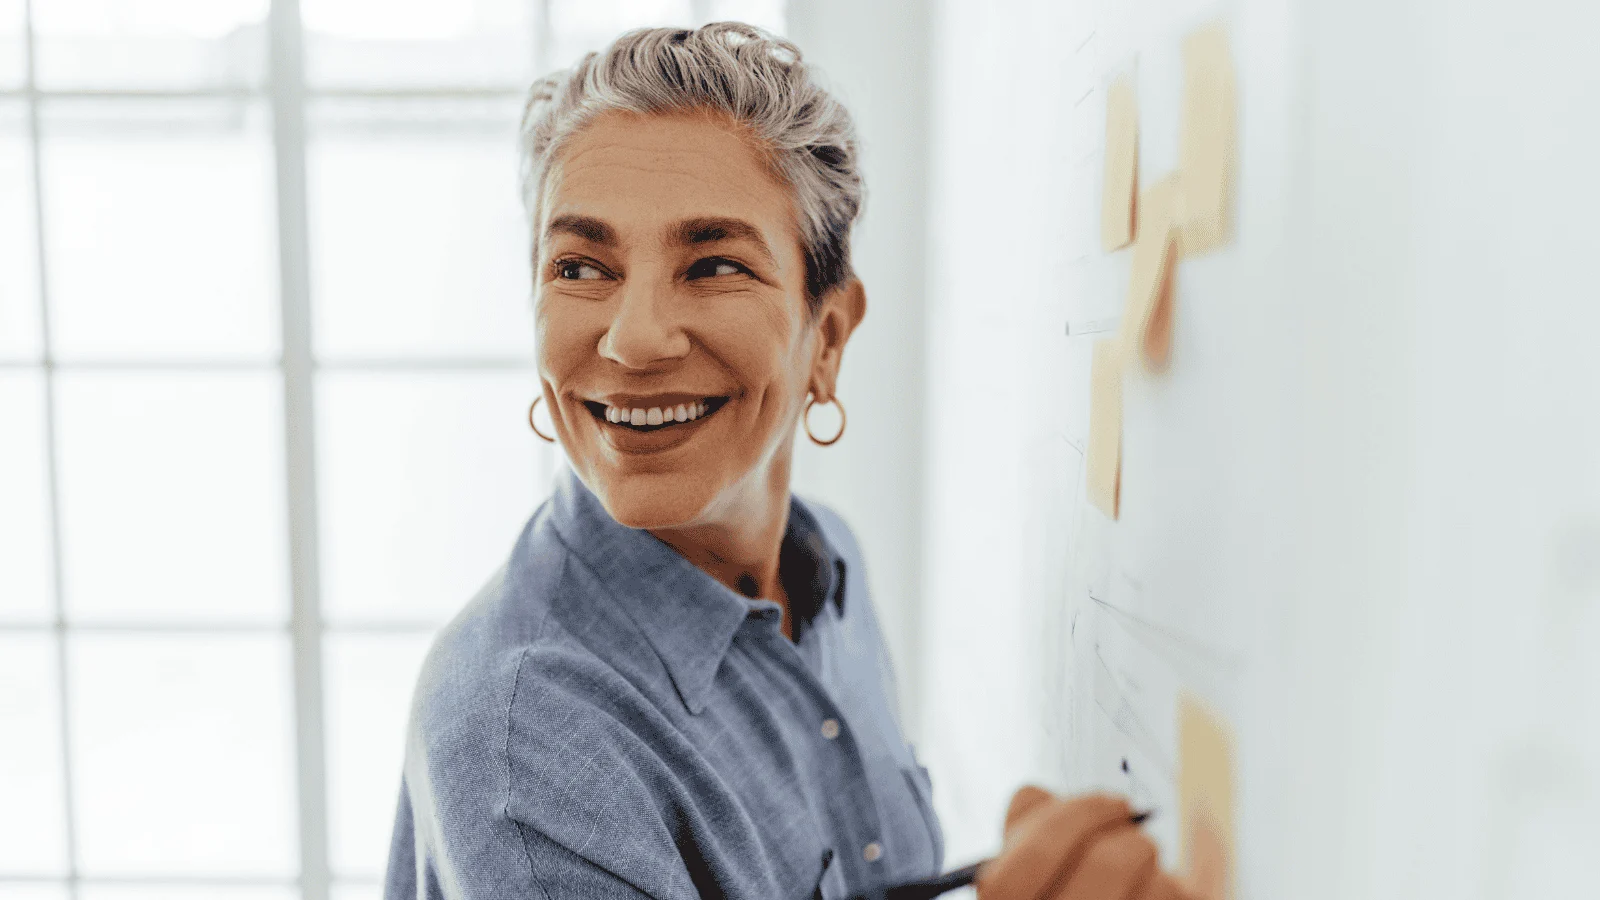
(586, 227)
(687, 233)
(709, 230)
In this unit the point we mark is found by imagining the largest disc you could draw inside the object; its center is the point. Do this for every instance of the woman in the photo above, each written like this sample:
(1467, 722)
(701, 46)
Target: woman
(677, 687)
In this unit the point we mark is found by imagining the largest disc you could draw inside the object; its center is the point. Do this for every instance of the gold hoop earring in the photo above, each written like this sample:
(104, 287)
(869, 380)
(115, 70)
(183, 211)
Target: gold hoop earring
(535, 428)
(805, 419)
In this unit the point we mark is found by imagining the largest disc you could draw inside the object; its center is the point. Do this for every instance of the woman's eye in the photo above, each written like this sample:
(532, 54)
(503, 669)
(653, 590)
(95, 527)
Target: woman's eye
(575, 270)
(715, 266)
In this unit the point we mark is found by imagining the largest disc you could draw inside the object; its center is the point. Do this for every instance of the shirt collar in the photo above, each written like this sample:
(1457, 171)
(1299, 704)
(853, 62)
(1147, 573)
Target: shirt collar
(689, 617)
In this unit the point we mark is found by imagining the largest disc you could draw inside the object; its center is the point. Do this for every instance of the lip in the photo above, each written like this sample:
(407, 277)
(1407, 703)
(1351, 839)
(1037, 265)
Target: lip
(645, 401)
(634, 443)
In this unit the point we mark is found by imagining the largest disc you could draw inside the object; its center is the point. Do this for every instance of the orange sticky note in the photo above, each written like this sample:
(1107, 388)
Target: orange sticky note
(1120, 185)
(1147, 316)
(1205, 800)
(1207, 140)
(1104, 461)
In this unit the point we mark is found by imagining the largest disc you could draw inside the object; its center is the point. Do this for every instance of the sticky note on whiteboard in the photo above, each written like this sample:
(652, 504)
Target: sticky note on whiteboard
(1207, 141)
(1205, 799)
(1120, 184)
(1104, 462)
(1147, 316)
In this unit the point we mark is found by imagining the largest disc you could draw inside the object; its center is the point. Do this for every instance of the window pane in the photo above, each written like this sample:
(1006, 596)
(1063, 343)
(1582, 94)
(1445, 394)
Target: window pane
(768, 14)
(13, 61)
(30, 759)
(370, 679)
(578, 26)
(347, 891)
(379, 43)
(182, 755)
(171, 44)
(172, 496)
(419, 245)
(159, 227)
(185, 892)
(26, 586)
(19, 250)
(424, 482)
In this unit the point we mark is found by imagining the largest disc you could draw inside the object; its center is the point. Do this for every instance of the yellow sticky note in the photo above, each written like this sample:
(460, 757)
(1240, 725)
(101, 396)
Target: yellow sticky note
(1207, 140)
(1205, 800)
(1147, 315)
(1120, 185)
(1105, 426)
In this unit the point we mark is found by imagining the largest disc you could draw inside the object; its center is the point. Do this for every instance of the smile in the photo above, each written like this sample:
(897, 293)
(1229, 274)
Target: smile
(655, 418)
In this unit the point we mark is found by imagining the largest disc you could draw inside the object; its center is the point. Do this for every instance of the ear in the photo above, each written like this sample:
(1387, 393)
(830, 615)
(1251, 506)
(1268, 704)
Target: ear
(841, 311)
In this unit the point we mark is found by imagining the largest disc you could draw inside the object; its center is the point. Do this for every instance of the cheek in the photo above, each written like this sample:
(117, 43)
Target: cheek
(566, 338)
(758, 343)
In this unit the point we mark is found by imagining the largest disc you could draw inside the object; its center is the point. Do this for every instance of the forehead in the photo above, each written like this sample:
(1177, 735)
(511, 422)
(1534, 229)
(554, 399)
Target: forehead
(637, 171)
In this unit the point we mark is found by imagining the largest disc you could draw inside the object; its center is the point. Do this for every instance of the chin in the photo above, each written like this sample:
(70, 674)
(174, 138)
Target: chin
(664, 500)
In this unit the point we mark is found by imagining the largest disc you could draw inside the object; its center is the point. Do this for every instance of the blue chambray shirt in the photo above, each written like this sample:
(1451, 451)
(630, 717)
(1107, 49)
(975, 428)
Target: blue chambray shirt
(605, 720)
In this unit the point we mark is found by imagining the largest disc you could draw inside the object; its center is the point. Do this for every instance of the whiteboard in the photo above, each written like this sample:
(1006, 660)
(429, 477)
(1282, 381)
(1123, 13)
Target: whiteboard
(1361, 511)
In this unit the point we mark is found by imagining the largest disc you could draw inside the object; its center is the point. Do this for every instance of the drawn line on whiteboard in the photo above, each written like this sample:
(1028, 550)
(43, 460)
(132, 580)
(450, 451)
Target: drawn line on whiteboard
(1162, 638)
(1085, 42)
(1093, 326)
(1107, 694)
(1079, 101)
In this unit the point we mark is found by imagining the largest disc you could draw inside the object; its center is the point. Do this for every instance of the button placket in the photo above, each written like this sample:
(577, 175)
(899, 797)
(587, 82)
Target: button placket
(832, 729)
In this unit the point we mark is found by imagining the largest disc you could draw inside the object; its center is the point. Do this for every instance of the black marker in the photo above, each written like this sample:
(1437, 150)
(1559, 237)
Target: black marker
(932, 887)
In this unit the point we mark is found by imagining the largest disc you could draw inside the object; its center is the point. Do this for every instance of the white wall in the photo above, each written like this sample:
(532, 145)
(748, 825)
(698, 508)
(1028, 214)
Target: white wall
(1370, 481)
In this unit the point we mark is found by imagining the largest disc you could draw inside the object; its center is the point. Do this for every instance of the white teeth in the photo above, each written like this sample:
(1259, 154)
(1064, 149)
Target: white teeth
(657, 415)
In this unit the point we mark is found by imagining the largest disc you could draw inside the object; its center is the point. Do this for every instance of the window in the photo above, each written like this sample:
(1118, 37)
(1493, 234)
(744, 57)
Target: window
(265, 352)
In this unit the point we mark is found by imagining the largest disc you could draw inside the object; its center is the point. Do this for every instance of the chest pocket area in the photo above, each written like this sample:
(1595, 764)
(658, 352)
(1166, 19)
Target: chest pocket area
(831, 885)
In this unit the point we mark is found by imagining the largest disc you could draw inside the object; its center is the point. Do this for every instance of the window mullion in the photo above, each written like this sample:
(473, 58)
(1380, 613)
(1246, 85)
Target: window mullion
(287, 88)
(52, 460)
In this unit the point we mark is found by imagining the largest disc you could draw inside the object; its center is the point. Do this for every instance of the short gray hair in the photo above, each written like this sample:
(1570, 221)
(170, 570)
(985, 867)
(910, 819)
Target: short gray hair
(756, 79)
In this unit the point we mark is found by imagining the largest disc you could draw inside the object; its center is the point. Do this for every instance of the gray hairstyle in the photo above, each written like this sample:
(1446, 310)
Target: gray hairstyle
(757, 80)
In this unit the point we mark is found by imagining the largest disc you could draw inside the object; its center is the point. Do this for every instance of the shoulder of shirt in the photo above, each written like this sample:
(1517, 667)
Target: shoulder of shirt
(472, 668)
(524, 725)
(510, 651)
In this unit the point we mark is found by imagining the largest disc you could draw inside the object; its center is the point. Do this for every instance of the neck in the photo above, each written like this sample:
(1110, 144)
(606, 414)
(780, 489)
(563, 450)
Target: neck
(736, 541)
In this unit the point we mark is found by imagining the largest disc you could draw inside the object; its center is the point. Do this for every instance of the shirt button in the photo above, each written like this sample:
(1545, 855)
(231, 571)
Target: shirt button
(830, 728)
(872, 852)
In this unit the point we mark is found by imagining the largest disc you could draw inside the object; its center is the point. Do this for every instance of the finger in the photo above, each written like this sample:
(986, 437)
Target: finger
(1047, 846)
(1028, 800)
(1117, 866)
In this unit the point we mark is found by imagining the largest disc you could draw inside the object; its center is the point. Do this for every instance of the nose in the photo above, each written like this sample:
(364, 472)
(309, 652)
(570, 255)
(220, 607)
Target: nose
(644, 331)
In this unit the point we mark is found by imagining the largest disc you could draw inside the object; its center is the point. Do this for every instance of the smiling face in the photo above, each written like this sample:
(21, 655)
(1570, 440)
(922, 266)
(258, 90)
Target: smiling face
(675, 346)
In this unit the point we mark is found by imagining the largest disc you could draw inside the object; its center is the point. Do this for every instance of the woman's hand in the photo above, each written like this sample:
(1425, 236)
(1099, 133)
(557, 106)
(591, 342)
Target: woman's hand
(1083, 848)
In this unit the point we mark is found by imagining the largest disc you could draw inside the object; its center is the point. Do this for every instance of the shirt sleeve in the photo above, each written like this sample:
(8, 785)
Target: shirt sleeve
(455, 864)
